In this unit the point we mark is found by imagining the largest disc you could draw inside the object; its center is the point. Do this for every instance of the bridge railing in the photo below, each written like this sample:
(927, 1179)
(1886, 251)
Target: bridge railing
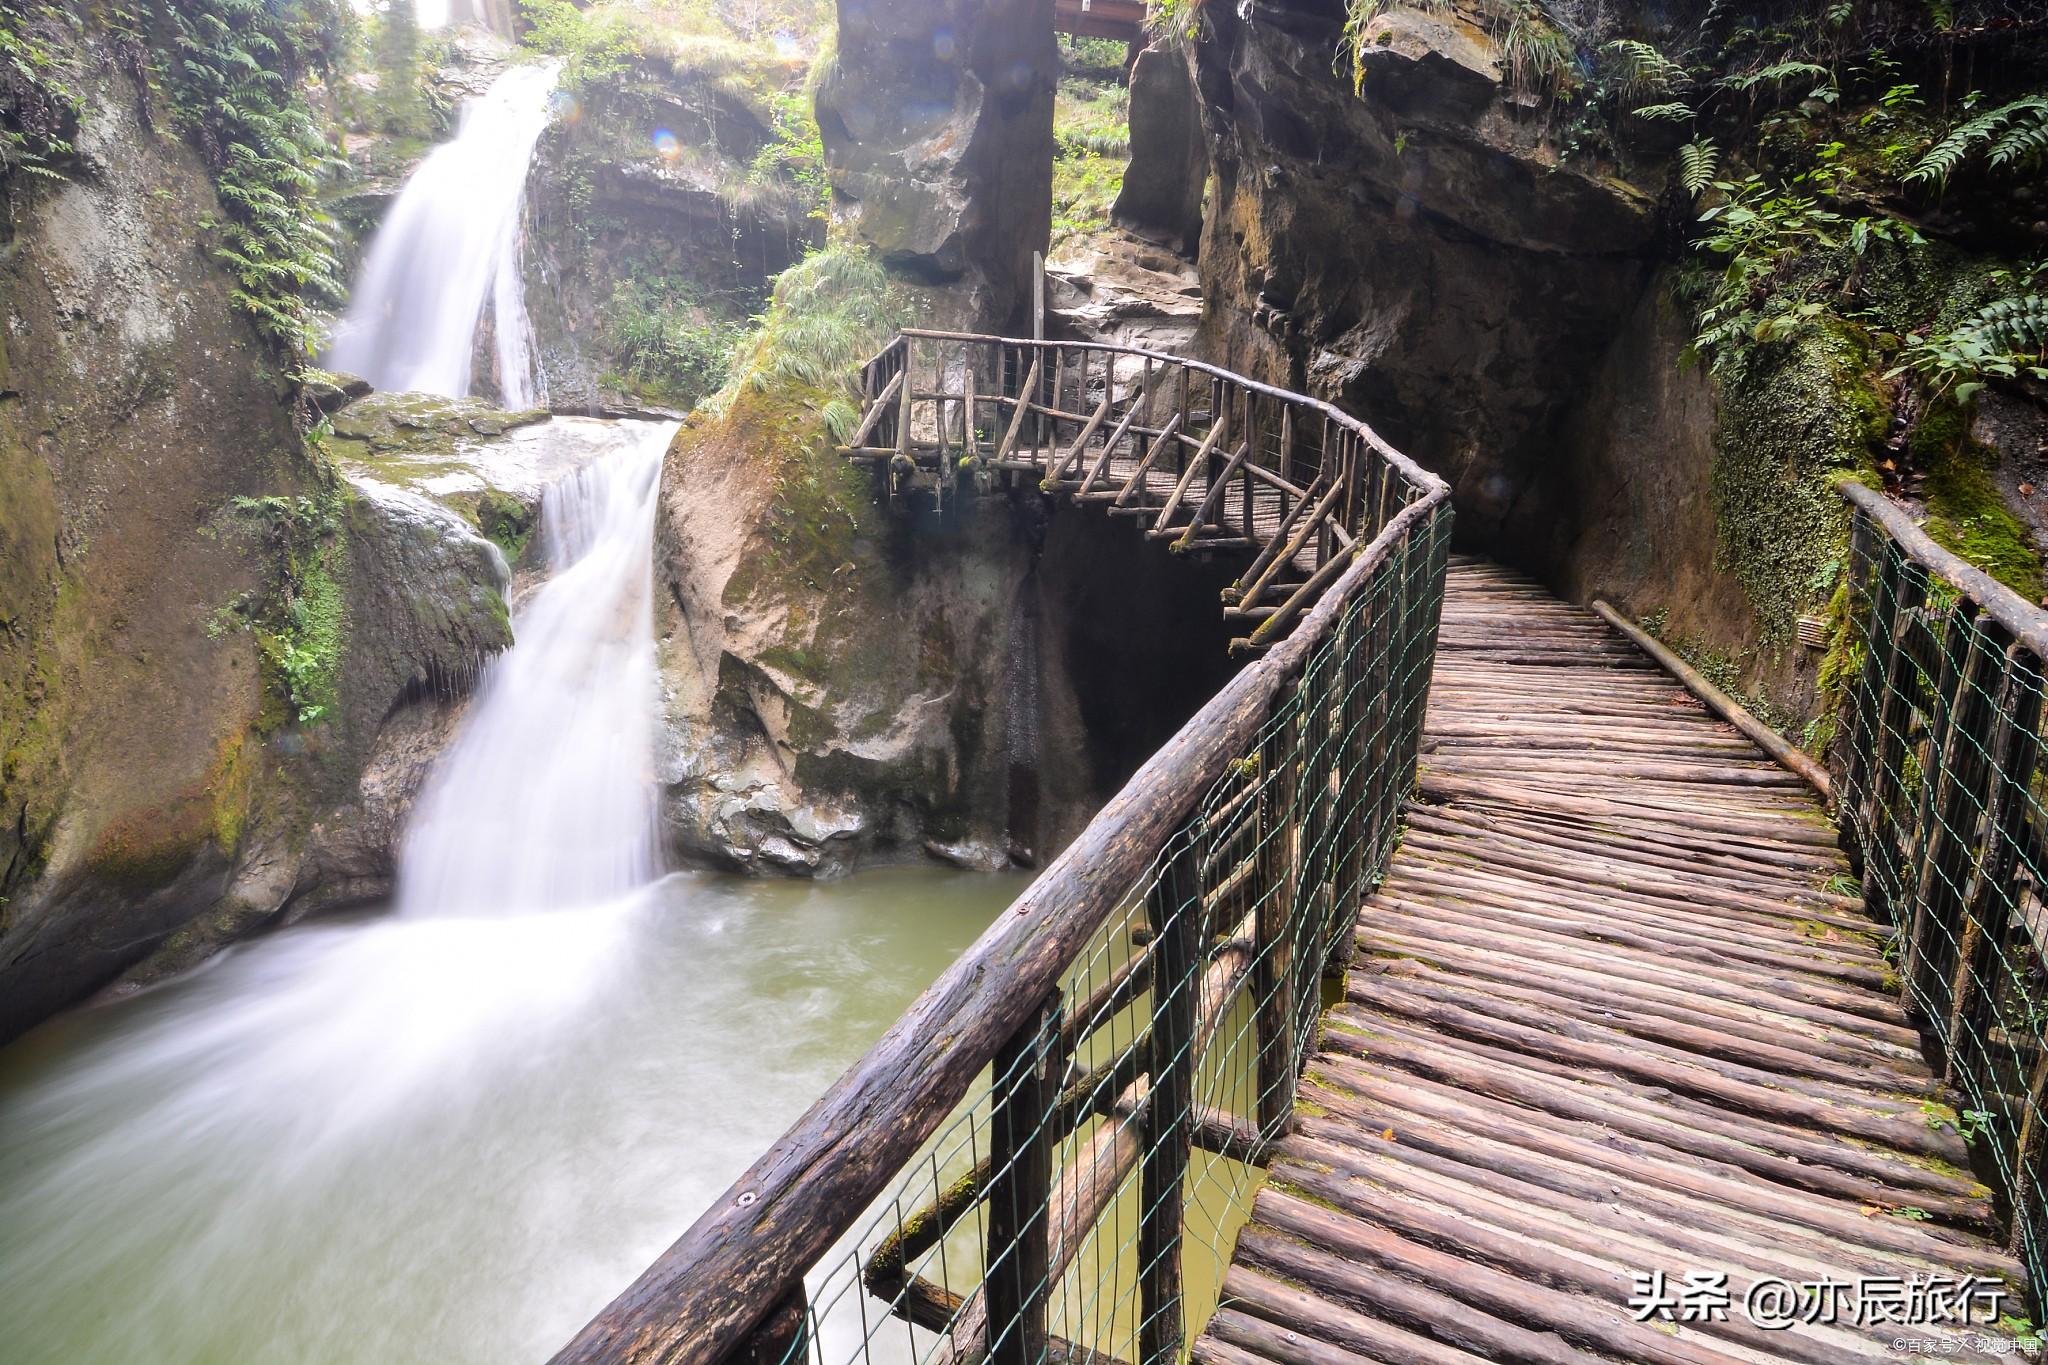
(1941, 790)
(1047, 1156)
(1203, 459)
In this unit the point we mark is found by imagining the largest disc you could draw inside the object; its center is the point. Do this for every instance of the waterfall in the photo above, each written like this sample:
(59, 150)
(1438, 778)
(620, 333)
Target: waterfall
(547, 798)
(449, 246)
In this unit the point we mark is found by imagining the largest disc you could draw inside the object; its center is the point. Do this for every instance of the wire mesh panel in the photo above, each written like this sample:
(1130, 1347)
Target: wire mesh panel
(1942, 792)
(1048, 1157)
(1082, 1204)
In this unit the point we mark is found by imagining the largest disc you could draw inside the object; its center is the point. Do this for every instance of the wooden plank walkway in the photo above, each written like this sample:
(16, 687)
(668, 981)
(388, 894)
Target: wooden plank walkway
(1607, 1018)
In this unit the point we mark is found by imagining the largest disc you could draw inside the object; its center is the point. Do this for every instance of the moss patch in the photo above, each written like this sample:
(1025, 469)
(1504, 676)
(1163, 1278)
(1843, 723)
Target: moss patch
(1966, 512)
(505, 521)
(1795, 416)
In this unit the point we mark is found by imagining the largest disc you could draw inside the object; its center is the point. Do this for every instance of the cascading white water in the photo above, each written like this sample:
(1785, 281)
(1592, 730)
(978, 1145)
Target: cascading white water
(449, 246)
(547, 799)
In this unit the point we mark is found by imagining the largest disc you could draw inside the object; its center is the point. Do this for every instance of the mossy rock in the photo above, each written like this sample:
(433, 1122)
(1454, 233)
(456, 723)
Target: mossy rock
(1966, 512)
(1795, 417)
(394, 432)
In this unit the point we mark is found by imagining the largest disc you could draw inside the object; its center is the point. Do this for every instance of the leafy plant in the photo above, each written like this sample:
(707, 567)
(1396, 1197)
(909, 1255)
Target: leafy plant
(236, 71)
(38, 106)
(1538, 56)
(2004, 339)
(2013, 137)
(1697, 161)
(1755, 229)
(303, 624)
(667, 342)
(829, 313)
(1647, 73)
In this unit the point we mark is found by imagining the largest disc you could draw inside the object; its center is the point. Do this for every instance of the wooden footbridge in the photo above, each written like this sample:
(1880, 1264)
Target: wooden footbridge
(1468, 980)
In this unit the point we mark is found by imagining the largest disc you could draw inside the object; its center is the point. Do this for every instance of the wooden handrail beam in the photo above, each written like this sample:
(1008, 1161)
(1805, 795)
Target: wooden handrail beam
(714, 1284)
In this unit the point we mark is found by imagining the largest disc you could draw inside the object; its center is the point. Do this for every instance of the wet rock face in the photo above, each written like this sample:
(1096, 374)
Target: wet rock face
(134, 406)
(846, 681)
(1161, 196)
(937, 124)
(1416, 251)
(606, 209)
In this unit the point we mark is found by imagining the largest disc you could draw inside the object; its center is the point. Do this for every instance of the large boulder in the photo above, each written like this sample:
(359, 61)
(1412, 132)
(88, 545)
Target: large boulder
(936, 117)
(1161, 194)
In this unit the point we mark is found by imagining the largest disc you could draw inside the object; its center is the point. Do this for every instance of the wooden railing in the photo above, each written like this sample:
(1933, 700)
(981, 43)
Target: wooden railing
(1205, 460)
(1942, 775)
(1155, 991)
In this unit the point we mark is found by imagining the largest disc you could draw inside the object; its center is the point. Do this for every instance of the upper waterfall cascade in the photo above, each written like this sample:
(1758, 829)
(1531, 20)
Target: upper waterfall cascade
(448, 248)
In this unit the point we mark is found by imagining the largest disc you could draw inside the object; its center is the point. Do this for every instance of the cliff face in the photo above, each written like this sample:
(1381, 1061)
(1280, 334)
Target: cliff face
(204, 629)
(1417, 251)
(1456, 230)
(848, 679)
(137, 405)
(651, 208)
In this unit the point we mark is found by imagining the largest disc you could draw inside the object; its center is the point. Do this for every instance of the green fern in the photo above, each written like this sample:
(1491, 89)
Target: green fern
(1677, 111)
(1697, 161)
(2011, 137)
(236, 70)
(1646, 72)
(1777, 71)
(2004, 339)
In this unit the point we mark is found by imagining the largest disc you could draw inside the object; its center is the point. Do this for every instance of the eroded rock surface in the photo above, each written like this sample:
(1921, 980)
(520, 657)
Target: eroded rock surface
(1417, 250)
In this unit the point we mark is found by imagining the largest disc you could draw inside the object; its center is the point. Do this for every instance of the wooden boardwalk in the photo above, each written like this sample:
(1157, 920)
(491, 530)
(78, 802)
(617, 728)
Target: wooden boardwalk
(1610, 1016)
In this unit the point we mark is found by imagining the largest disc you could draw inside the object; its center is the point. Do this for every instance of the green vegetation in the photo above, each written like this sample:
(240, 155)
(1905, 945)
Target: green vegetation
(670, 345)
(828, 314)
(1847, 338)
(1537, 56)
(1092, 130)
(766, 57)
(301, 625)
(2011, 139)
(237, 72)
(1965, 511)
(751, 49)
(408, 105)
(37, 108)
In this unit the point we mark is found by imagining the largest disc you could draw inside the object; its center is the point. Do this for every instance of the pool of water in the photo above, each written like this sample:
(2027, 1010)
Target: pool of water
(448, 1139)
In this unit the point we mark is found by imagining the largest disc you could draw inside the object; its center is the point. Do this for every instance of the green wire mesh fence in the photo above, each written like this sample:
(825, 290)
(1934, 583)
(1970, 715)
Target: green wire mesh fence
(1048, 1158)
(1941, 796)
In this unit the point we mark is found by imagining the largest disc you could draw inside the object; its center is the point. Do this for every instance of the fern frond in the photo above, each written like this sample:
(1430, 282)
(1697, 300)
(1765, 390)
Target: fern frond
(1697, 161)
(2013, 134)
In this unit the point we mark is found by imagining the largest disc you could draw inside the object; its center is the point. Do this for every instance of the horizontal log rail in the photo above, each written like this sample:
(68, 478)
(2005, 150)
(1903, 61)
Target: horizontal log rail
(1212, 461)
(1940, 793)
(1005, 1174)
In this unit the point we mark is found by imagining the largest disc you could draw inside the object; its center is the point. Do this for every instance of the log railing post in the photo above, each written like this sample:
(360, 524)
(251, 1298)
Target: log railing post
(1176, 911)
(1875, 582)
(784, 1336)
(1896, 676)
(1021, 1137)
(1355, 778)
(1955, 783)
(1272, 978)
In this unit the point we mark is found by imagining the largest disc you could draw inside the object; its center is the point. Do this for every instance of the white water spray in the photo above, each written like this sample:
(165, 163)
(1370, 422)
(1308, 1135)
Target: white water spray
(449, 246)
(547, 799)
